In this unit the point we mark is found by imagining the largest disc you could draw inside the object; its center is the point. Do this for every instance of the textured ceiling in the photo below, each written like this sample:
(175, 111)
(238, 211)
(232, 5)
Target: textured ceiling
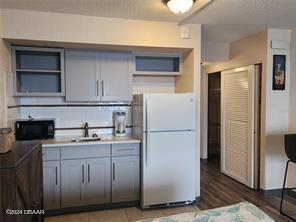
(223, 20)
(229, 20)
(135, 9)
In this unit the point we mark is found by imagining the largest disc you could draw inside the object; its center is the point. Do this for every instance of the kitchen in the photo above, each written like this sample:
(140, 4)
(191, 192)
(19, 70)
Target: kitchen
(53, 88)
(107, 110)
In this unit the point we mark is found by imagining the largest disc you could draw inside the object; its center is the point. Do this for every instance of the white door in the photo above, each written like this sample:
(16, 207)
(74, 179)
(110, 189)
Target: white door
(168, 163)
(170, 112)
(237, 122)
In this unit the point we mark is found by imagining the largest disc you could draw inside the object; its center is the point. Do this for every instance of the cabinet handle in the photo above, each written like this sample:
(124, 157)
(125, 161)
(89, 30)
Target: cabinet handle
(82, 173)
(97, 87)
(88, 170)
(56, 171)
(125, 149)
(113, 171)
(103, 88)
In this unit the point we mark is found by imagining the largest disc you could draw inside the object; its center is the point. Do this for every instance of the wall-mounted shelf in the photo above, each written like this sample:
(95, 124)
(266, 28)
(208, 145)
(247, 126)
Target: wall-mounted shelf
(157, 64)
(38, 71)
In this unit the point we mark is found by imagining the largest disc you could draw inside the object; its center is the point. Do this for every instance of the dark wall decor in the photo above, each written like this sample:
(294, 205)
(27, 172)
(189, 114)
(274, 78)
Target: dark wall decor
(279, 72)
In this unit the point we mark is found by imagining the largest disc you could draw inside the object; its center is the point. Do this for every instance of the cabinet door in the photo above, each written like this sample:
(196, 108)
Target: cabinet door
(125, 178)
(51, 184)
(73, 182)
(82, 76)
(98, 181)
(116, 76)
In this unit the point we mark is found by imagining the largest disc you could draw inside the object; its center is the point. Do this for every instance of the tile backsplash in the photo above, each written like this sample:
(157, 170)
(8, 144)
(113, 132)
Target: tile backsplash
(76, 116)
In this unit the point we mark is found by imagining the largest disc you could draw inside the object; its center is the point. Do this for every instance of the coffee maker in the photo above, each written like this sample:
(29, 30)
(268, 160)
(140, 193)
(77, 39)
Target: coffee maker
(120, 123)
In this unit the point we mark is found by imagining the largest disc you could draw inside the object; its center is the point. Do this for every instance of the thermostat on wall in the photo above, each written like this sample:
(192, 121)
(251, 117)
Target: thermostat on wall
(185, 32)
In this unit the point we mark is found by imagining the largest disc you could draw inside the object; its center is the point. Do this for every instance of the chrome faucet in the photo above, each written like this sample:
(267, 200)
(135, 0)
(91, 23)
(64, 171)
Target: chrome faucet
(86, 134)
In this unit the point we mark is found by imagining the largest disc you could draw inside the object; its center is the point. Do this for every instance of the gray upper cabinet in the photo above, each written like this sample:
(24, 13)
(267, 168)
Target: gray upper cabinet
(38, 71)
(93, 76)
(51, 184)
(82, 76)
(116, 76)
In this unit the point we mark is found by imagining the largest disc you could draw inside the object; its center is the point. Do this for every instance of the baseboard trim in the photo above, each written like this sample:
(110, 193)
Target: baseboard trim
(81, 209)
(203, 160)
(197, 200)
(278, 193)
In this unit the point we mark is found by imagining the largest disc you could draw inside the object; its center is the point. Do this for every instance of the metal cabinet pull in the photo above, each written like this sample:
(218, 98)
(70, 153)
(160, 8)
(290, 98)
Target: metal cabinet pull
(125, 149)
(88, 171)
(97, 87)
(82, 173)
(56, 171)
(103, 88)
(113, 171)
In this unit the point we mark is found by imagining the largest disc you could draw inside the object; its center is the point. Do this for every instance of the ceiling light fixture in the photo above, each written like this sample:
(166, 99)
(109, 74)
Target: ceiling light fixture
(179, 6)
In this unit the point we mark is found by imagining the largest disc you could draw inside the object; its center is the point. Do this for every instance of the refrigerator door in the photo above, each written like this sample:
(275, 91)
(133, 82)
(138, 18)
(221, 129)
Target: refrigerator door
(168, 167)
(170, 112)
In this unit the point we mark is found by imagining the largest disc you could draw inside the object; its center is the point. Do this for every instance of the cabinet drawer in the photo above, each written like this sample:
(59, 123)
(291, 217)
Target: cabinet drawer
(85, 151)
(128, 149)
(52, 153)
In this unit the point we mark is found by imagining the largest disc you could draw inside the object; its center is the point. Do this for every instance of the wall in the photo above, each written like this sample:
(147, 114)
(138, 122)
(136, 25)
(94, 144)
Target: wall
(88, 29)
(154, 84)
(5, 79)
(292, 108)
(215, 52)
(276, 113)
(247, 51)
(63, 30)
(2, 83)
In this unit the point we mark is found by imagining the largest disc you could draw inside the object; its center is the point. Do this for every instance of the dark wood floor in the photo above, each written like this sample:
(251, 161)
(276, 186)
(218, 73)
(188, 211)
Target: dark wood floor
(218, 190)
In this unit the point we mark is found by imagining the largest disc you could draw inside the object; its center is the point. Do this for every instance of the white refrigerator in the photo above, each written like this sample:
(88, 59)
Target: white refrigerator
(166, 124)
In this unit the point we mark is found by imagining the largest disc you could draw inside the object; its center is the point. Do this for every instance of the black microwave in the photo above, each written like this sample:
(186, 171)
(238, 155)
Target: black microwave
(34, 129)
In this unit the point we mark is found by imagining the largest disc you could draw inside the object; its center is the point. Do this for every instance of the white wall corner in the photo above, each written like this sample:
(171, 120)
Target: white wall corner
(277, 111)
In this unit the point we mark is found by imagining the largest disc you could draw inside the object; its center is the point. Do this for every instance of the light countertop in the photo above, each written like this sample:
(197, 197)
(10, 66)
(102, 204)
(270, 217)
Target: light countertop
(67, 141)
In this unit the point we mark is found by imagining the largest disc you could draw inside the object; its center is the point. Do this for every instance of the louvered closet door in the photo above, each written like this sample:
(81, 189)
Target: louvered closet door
(237, 119)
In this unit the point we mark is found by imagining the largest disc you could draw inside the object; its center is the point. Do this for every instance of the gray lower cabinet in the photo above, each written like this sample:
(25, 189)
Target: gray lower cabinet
(125, 178)
(90, 174)
(98, 181)
(51, 184)
(85, 181)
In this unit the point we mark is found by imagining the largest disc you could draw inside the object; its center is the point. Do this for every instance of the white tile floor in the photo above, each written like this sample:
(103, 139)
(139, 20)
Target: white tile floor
(120, 215)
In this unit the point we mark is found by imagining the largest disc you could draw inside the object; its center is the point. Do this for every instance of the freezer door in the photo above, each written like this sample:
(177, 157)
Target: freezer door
(168, 167)
(170, 112)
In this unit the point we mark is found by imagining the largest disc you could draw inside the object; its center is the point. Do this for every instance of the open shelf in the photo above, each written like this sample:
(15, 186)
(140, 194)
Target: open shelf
(157, 64)
(38, 71)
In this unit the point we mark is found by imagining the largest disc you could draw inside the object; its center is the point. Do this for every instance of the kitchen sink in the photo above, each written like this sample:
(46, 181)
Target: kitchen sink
(86, 139)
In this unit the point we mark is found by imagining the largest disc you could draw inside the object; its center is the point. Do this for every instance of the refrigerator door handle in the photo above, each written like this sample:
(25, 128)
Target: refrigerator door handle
(147, 116)
(147, 150)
